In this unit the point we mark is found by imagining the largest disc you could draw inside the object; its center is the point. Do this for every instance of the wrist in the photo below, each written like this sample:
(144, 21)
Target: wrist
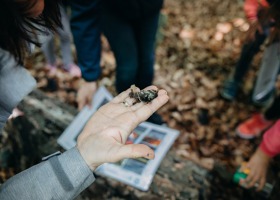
(85, 157)
(263, 155)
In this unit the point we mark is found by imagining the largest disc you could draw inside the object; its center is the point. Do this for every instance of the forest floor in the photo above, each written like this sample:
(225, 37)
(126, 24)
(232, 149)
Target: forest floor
(199, 43)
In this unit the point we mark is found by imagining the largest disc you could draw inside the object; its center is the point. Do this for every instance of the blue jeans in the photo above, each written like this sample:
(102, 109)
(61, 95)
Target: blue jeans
(133, 43)
(86, 33)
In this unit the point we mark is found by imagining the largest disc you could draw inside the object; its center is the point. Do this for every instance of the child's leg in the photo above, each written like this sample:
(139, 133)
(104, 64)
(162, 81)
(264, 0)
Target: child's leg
(86, 33)
(65, 39)
(264, 88)
(231, 86)
(145, 31)
(122, 41)
(273, 112)
(48, 50)
(249, 50)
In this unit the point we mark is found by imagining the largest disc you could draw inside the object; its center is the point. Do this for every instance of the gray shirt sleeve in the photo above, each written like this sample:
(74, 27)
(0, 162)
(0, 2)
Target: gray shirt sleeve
(15, 84)
(61, 177)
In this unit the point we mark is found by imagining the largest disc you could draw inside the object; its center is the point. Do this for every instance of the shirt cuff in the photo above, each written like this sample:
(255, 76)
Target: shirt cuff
(73, 167)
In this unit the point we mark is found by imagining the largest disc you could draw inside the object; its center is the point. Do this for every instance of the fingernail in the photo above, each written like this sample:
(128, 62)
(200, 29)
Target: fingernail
(149, 156)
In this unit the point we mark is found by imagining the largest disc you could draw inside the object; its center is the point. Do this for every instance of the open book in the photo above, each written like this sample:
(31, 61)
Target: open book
(138, 173)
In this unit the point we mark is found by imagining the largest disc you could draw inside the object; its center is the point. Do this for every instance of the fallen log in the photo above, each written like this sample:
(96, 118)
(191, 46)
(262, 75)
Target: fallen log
(28, 138)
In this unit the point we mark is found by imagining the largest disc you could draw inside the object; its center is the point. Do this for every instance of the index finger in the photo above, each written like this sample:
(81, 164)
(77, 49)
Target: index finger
(261, 184)
(146, 110)
(122, 96)
(142, 112)
(253, 180)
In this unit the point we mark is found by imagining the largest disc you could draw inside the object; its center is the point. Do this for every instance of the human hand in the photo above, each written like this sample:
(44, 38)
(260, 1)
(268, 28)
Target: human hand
(85, 94)
(257, 165)
(103, 138)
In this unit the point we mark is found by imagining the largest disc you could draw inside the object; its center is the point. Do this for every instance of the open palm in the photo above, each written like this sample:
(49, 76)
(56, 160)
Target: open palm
(103, 138)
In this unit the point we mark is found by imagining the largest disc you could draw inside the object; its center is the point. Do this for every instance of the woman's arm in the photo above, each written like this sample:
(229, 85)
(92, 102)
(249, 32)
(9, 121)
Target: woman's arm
(15, 84)
(102, 140)
(60, 177)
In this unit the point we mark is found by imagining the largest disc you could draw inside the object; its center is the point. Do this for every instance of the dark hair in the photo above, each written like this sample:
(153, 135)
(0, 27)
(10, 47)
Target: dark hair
(17, 27)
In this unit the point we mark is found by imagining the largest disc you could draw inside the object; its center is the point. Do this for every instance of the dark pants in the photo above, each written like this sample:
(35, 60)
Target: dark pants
(273, 112)
(248, 52)
(133, 43)
(86, 32)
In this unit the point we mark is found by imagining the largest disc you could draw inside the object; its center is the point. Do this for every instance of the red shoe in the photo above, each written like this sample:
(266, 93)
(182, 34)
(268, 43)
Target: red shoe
(253, 127)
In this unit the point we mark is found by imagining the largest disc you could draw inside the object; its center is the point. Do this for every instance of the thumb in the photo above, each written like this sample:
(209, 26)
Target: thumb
(135, 151)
